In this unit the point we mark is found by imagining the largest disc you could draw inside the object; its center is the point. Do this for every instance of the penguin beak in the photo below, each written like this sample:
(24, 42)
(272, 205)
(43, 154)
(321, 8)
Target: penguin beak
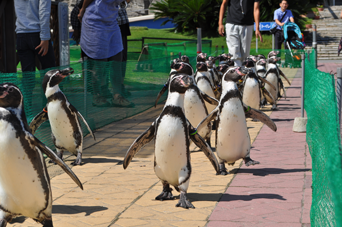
(3, 92)
(66, 72)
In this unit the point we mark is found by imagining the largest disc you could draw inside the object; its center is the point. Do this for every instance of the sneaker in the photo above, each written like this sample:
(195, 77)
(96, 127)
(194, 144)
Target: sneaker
(100, 101)
(119, 101)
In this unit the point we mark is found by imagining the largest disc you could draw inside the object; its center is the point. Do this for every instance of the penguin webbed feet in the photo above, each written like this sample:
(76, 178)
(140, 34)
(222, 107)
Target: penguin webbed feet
(78, 160)
(166, 193)
(274, 107)
(47, 222)
(222, 171)
(249, 161)
(184, 202)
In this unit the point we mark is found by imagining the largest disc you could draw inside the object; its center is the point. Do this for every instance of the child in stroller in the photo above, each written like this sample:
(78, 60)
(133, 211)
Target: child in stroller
(293, 44)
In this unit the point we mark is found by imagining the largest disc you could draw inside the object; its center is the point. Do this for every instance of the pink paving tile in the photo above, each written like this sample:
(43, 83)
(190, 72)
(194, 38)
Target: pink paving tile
(271, 194)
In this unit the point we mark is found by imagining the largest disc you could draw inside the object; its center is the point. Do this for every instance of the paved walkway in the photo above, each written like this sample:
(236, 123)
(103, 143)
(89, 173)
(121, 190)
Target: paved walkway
(274, 193)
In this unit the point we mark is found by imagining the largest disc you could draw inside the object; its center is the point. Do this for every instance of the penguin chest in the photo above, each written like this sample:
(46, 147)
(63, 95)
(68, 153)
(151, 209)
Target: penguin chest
(64, 126)
(171, 150)
(273, 79)
(24, 182)
(233, 140)
(251, 93)
(194, 108)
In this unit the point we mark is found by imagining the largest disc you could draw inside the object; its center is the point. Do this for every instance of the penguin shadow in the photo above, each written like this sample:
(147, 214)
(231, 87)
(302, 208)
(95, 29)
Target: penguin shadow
(267, 171)
(68, 209)
(20, 219)
(279, 120)
(95, 160)
(212, 197)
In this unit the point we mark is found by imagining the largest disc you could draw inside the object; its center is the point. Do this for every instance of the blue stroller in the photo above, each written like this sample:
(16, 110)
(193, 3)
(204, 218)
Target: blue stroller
(293, 45)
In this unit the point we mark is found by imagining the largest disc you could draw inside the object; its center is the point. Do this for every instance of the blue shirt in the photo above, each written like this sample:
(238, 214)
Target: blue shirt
(33, 16)
(278, 14)
(101, 36)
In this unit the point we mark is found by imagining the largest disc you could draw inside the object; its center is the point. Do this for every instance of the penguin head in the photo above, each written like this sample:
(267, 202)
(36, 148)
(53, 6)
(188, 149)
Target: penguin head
(261, 56)
(210, 64)
(235, 74)
(10, 96)
(55, 76)
(173, 62)
(222, 68)
(272, 53)
(273, 60)
(182, 67)
(201, 66)
(201, 57)
(261, 62)
(180, 83)
(185, 59)
(248, 62)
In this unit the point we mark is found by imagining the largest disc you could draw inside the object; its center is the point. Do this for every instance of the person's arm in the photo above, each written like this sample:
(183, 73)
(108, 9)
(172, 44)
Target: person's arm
(257, 20)
(44, 18)
(291, 19)
(86, 3)
(279, 23)
(220, 22)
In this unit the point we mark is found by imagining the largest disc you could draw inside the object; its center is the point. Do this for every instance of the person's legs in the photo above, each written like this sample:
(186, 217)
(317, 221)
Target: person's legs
(27, 59)
(278, 39)
(246, 34)
(124, 64)
(233, 42)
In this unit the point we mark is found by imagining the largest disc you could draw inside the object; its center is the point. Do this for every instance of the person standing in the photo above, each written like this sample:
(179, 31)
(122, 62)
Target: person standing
(281, 17)
(240, 18)
(33, 39)
(125, 31)
(101, 41)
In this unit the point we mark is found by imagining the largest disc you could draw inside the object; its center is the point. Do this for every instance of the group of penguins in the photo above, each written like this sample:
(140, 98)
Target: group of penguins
(211, 98)
(221, 97)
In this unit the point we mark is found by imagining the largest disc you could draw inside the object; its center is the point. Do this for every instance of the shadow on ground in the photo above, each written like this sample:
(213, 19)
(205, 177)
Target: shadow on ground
(268, 171)
(230, 197)
(66, 209)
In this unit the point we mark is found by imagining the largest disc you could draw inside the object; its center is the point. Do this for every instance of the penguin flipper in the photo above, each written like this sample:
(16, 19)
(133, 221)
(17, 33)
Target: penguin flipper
(267, 82)
(283, 75)
(256, 114)
(209, 99)
(267, 93)
(38, 120)
(72, 108)
(207, 120)
(44, 149)
(138, 143)
(282, 87)
(200, 142)
(162, 91)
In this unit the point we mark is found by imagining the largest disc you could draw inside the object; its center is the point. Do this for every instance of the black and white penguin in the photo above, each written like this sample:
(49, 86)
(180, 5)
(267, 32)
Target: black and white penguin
(172, 133)
(272, 75)
(65, 126)
(260, 67)
(25, 188)
(194, 101)
(205, 82)
(232, 137)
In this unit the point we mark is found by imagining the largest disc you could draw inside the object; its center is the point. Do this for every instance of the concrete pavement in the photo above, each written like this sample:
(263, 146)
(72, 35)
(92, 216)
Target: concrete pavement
(278, 187)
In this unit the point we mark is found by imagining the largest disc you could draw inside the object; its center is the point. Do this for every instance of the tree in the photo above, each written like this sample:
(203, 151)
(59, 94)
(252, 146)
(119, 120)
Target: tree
(188, 15)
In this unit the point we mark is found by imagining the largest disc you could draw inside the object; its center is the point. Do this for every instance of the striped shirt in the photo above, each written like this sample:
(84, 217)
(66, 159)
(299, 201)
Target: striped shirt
(122, 16)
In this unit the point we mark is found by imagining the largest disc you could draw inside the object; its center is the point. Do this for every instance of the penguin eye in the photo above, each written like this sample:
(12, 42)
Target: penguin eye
(10, 89)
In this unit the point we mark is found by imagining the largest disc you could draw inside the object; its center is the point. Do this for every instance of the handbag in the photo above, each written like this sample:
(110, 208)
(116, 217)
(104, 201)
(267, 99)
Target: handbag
(273, 28)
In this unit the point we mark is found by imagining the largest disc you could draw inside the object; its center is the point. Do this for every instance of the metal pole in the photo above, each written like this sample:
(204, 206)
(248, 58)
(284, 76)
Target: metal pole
(216, 51)
(199, 40)
(256, 45)
(339, 92)
(303, 83)
(180, 55)
(309, 52)
(222, 49)
(272, 41)
(314, 43)
(85, 78)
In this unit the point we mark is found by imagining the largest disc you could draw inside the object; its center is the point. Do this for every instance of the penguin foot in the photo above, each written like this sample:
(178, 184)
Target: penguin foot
(47, 223)
(165, 195)
(274, 107)
(249, 161)
(255, 120)
(184, 202)
(223, 170)
(78, 160)
(3, 223)
(52, 161)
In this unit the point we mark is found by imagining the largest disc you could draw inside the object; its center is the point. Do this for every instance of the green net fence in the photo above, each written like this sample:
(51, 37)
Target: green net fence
(323, 139)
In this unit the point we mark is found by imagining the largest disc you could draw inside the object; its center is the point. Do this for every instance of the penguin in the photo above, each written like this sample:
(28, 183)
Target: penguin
(172, 133)
(194, 106)
(260, 67)
(215, 77)
(232, 137)
(251, 89)
(205, 83)
(272, 75)
(25, 188)
(65, 126)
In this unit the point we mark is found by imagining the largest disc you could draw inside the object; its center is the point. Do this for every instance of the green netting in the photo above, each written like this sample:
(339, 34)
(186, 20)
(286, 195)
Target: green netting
(323, 138)
(143, 88)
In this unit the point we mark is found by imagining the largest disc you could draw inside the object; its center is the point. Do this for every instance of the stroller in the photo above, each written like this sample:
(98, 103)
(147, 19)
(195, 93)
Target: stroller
(293, 44)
